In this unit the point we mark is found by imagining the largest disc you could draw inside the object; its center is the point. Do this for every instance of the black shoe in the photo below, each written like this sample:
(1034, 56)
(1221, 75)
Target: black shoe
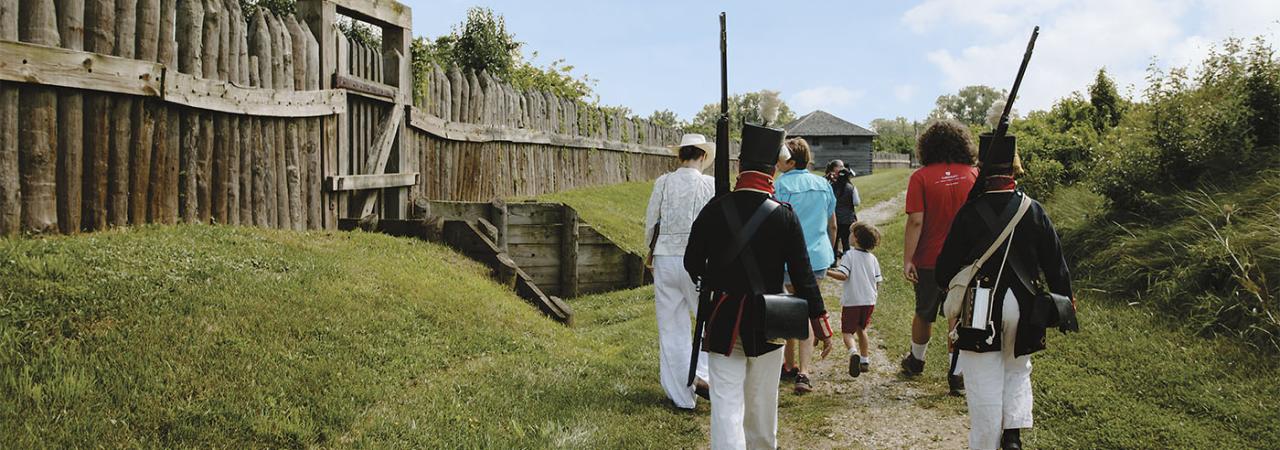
(912, 366)
(1012, 439)
(790, 374)
(855, 365)
(865, 366)
(701, 389)
(803, 386)
(956, 383)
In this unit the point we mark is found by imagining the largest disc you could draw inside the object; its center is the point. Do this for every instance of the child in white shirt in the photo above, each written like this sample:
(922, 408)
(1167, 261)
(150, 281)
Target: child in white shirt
(860, 272)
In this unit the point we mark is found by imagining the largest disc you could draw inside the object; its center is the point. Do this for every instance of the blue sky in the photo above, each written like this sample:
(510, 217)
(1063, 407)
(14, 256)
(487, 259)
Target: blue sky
(859, 60)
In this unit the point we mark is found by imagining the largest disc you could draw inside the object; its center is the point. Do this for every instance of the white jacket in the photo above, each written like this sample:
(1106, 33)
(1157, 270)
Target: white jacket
(676, 200)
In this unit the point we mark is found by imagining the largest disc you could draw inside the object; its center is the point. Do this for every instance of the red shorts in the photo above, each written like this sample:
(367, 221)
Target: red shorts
(854, 318)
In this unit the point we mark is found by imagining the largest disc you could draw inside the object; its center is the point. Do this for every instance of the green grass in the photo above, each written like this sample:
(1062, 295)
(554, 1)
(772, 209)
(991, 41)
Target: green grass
(234, 337)
(1130, 379)
(616, 211)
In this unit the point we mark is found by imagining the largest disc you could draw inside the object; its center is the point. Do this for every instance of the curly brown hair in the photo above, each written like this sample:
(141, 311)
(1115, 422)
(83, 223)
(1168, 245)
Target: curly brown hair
(866, 235)
(946, 141)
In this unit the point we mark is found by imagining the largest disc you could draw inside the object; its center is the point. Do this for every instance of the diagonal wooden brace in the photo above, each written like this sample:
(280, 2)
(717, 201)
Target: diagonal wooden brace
(377, 166)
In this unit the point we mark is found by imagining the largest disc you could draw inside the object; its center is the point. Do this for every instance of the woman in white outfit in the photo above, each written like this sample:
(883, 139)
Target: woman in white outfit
(677, 198)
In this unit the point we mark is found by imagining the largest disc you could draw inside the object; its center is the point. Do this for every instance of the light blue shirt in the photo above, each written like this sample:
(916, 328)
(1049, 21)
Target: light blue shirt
(811, 198)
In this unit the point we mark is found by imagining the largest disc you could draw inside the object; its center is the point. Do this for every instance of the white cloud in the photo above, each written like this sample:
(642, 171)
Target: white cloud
(904, 92)
(1078, 38)
(825, 98)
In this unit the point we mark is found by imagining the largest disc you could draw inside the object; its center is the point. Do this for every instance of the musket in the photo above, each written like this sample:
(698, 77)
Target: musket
(722, 187)
(1002, 127)
(722, 124)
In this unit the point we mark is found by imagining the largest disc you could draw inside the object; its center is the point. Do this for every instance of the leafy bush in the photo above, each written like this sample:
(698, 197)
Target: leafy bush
(1221, 124)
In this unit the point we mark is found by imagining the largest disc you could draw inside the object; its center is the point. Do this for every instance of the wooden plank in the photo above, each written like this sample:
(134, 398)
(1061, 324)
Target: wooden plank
(52, 66)
(535, 255)
(471, 132)
(534, 213)
(214, 95)
(372, 89)
(534, 234)
(364, 182)
(609, 255)
(381, 12)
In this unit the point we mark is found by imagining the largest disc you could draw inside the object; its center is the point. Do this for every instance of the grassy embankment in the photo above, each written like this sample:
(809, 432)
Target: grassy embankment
(235, 337)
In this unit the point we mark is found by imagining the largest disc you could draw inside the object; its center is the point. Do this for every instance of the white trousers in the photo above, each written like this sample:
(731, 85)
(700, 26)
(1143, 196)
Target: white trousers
(677, 302)
(997, 385)
(744, 400)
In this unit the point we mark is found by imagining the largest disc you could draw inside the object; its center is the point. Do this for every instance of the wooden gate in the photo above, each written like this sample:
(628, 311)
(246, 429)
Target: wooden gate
(368, 168)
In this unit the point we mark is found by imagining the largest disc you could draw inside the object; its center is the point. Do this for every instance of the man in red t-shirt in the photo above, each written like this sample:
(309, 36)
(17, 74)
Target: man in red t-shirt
(934, 194)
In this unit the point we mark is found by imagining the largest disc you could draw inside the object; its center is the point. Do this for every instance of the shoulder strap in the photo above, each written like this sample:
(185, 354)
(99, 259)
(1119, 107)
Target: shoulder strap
(1008, 228)
(742, 236)
(1019, 270)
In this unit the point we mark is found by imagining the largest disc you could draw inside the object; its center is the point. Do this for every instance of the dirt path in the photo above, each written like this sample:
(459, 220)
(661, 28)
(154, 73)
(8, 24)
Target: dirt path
(878, 409)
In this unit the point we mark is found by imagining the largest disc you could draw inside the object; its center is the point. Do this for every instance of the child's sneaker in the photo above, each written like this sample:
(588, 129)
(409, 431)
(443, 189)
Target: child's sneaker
(865, 365)
(855, 365)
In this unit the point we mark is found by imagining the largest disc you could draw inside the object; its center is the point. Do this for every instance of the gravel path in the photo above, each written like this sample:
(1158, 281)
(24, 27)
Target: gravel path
(878, 409)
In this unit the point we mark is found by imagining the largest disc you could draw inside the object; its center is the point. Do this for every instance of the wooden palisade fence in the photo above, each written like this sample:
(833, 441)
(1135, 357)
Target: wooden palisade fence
(118, 112)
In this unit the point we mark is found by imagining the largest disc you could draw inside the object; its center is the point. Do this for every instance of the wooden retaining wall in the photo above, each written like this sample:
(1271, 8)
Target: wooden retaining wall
(561, 254)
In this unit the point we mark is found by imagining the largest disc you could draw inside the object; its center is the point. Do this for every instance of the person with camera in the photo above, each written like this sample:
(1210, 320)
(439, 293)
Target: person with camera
(1000, 243)
(847, 200)
(677, 198)
(739, 247)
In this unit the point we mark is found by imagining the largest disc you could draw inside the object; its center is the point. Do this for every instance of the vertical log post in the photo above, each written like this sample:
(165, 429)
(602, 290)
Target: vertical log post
(279, 175)
(70, 122)
(209, 42)
(100, 37)
(144, 114)
(122, 123)
(315, 204)
(38, 126)
(569, 253)
(295, 66)
(10, 192)
(190, 19)
(162, 195)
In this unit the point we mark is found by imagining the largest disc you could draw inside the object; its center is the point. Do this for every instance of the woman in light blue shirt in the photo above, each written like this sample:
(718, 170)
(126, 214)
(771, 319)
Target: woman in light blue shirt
(814, 204)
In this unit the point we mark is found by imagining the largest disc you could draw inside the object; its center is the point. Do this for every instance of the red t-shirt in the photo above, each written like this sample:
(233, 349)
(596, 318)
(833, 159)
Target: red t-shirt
(937, 190)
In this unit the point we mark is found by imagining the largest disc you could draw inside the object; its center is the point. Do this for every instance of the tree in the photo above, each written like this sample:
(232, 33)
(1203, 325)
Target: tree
(897, 135)
(969, 105)
(742, 107)
(666, 118)
(1107, 104)
(482, 43)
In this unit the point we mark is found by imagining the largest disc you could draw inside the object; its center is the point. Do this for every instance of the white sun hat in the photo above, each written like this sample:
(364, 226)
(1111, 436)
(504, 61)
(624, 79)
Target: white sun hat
(696, 140)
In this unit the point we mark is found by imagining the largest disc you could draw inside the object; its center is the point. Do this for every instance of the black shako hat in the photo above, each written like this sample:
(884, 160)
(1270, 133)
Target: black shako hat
(760, 145)
(996, 154)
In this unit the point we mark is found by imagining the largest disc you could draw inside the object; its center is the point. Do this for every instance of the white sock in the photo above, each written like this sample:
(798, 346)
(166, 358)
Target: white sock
(853, 351)
(917, 350)
(866, 360)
